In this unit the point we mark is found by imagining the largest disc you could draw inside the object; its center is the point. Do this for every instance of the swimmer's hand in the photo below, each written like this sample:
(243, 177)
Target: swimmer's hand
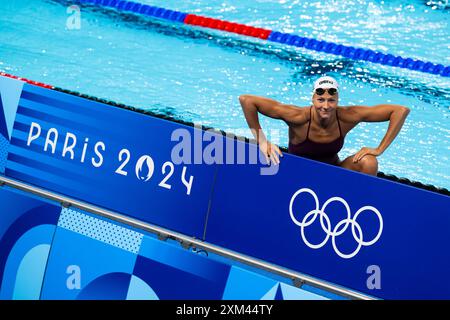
(271, 151)
(364, 152)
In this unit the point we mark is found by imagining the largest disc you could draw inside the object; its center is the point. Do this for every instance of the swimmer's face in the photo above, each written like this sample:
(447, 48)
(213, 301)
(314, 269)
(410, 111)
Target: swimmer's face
(325, 104)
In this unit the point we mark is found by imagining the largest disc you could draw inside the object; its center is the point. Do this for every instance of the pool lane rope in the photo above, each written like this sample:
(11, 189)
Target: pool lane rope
(274, 36)
(36, 83)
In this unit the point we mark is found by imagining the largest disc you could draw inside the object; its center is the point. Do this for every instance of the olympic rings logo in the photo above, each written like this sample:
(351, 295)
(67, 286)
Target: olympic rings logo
(311, 216)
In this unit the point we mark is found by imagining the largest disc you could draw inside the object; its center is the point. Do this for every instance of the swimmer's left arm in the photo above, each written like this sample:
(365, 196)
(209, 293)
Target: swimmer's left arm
(395, 114)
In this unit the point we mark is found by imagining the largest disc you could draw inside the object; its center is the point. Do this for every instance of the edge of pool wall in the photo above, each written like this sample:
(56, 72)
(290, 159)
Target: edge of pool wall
(349, 52)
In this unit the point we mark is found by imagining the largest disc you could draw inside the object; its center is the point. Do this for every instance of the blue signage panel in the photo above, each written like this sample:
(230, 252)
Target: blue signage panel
(10, 90)
(27, 227)
(51, 253)
(110, 157)
(379, 237)
(96, 258)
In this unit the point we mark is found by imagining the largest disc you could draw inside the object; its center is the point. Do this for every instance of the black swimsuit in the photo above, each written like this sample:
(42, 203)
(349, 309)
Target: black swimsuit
(324, 152)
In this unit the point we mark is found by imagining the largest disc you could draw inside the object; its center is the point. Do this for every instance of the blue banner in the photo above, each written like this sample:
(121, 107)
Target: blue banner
(379, 237)
(111, 157)
(27, 227)
(10, 90)
(93, 258)
(49, 252)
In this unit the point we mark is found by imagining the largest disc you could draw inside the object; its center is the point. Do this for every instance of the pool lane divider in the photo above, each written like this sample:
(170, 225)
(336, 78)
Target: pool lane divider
(349, 52)
(36, 83)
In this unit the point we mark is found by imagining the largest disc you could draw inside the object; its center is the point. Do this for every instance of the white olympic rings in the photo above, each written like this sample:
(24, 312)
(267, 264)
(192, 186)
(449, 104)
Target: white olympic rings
(338, 230)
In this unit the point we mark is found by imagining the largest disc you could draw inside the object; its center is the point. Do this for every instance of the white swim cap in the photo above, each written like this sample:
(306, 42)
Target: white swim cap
(325, 82)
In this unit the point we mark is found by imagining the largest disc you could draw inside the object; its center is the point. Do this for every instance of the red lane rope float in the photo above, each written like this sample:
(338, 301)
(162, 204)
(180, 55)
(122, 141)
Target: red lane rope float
(349, 52)
(36, 83)
(217, 24)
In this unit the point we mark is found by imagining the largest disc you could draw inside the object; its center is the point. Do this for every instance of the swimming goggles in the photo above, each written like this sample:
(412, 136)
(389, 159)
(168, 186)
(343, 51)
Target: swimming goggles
(321, 91)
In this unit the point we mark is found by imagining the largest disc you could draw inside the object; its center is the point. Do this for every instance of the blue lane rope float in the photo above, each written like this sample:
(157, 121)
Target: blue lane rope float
(348, 52)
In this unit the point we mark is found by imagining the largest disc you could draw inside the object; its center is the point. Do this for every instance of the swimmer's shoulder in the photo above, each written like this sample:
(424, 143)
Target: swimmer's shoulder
(349, 114)
(295, 115)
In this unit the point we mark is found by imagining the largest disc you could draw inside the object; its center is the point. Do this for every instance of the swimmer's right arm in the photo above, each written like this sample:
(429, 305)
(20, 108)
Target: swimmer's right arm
(251, 105)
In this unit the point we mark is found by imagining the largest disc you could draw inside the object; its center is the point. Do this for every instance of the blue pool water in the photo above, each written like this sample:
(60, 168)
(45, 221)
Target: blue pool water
(197, 74)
